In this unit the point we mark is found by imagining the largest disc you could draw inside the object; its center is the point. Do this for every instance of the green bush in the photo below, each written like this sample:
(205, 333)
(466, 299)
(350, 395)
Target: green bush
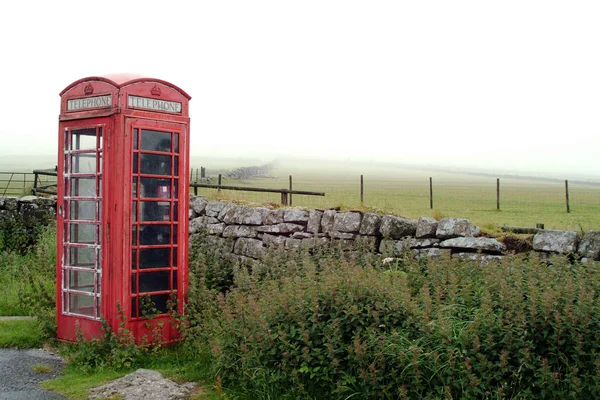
(334, 326)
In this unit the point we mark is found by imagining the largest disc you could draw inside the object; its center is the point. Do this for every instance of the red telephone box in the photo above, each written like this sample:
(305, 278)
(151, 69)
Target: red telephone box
(122, 206)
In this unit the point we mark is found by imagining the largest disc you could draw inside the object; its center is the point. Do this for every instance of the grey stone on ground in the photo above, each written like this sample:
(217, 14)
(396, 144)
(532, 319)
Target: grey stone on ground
(295, 215)
(347, 222)
(397, 228)
(589, 247)
(426, 227)
(449, 228)
(302, 235)
(215, 229)
(19, 381)
(370, 224)
(314, 221)
(555, 241)
(142, 384)
(471, 243)
(248, 247)
(291, 243)
(327, 220)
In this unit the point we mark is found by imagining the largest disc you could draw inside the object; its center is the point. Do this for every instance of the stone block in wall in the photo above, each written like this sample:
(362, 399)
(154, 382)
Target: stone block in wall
(273, 217)
(327, 220)
(314, 221)
(482, 259)
(37, 210)
(237, 231)
(302, 235)
(249, 247)
(10, 204)
(370, 224)
(273, 240)
(242, 215)
(449, 228)
(213, 208)
(295, 215)
(215, 229)
(422, 243)
(366, 243)
(198, 205)
(397, 228)
(342, 235)
(589, 247)
(347, 222)
(434, 252)
(343, 244)
(201, 222)
(291, 243)
(283, 228)
(471, 243)
(426, 227)
(548, 240)
(394, 248)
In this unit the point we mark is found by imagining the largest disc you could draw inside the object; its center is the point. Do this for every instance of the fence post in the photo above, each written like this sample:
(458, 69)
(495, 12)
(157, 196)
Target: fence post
(567, 195)
(362, 190)
(290, 190)
(497, 193)
(431, 192)
(284, 198)
(202, 172)
(220, 179)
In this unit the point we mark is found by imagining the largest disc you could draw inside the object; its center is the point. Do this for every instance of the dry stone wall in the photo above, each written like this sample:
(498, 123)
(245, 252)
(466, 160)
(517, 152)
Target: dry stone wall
(247, 232)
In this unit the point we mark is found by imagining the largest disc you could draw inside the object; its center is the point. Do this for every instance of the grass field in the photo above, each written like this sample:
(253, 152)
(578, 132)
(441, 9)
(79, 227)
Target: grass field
(405, 192)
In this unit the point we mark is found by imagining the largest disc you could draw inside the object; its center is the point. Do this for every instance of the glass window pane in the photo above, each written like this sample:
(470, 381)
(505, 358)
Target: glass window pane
(156, 141)
(134, 308)
(81, 304)
(154, 258)
(84, 163)
(82, 233)
(135, 163)
(134, 211)
(83, 187)
(133, 284)
(134, 235)
(155, 211)
(176, 166)
(155, 188)
(176, 188)
(176, 143)
(83, 210)
(154, 281)
(155, 164)
(175, 257)
(84, 139)
(175, 280)
(175, 211)
(82, 281)
(133, 259)
(135, 139)
(82, 257)
(154, 235)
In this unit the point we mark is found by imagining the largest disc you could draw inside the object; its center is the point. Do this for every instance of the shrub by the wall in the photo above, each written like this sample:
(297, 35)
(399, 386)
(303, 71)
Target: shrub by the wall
(344, 326)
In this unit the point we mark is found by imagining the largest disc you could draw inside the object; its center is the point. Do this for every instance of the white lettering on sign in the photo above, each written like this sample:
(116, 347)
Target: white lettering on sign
(89, 102)
(154, 104)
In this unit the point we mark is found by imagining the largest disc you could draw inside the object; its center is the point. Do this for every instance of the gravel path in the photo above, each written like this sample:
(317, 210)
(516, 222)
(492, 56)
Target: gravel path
(18, 381)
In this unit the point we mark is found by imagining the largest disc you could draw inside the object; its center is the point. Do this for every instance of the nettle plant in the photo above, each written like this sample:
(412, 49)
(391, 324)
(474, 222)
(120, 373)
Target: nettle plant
(341, 324)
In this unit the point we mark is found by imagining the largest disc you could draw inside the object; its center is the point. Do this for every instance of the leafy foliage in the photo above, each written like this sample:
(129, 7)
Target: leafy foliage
(340, 324)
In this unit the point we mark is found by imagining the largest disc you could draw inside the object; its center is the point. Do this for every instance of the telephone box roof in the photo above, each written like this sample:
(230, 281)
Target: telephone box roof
(123, 79)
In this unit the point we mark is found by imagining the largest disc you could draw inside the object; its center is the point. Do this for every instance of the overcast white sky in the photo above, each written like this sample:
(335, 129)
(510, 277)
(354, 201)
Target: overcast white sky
(509, 85)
